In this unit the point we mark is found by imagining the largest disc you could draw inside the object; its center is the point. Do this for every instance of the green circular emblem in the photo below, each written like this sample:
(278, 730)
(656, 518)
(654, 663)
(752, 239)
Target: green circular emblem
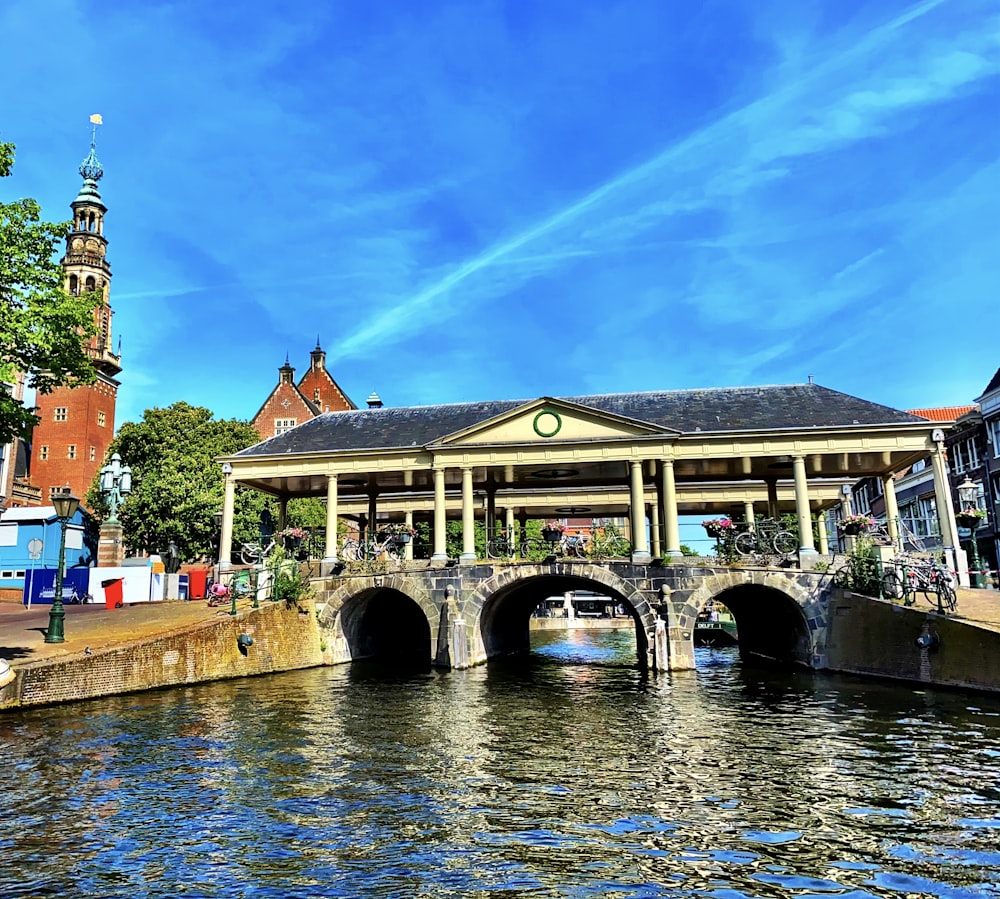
(547, 423)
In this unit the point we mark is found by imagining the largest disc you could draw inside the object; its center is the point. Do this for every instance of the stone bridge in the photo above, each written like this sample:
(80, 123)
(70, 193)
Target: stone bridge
(466, 615)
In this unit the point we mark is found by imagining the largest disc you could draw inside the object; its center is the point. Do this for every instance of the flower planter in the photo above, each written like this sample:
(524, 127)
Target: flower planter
(550, 535)
(714, 532)
(853, 529)
(968, 521)
(401, 538)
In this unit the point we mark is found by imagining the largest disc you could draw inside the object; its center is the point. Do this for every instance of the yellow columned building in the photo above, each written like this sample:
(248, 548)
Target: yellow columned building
(649, 457)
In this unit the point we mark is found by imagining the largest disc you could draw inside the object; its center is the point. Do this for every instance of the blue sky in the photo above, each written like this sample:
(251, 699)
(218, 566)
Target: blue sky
(479, 200)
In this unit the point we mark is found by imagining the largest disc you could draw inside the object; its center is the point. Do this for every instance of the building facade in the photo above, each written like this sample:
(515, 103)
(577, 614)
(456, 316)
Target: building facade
(76, 424)
(290, 404)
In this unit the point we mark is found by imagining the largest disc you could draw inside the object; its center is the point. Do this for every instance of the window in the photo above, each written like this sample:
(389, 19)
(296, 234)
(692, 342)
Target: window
(93, 453)
(966, 455)
(60, 413)
(43, 453)
(55, 491)
(283, 424)
(994, 432)
(71, 451)
(101, 419)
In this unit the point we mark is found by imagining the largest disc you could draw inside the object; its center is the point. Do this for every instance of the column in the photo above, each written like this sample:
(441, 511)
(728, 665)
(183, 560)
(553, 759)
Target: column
(408, 547)
(824, 540)
(891, 509)
(491, 510)
(806, 545)
(845, 512)
(440, 519)
(332, 543)
(509, 522)
(468, 556)
(671, 524)
(282, 513)
(226, 537)
(748, 516)
(772, 497)
(946, 515)
(640, 545)
(654, 526)
(373, 514)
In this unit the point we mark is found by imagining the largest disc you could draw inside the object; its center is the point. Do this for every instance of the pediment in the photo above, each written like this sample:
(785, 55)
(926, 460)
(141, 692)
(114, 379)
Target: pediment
(548, 420)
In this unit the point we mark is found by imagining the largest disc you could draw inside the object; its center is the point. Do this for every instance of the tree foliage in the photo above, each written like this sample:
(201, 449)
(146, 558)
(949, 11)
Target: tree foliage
(42, 327)
(177, 484)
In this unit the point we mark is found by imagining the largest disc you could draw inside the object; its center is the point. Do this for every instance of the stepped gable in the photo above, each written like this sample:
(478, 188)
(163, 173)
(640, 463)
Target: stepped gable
(688, 411)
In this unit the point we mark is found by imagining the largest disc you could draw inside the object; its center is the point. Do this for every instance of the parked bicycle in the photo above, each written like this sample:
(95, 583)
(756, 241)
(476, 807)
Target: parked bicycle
(370, 548)
(767, 536)
(908, 576)
(501, 544)
(607, 542)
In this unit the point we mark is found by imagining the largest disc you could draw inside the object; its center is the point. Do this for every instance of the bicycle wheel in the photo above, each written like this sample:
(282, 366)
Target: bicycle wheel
(892, 586)
(842, 577)
(250, 553)
(785, 543)
(497, 549)
(948, 597)
(745, 543)
(350, 551)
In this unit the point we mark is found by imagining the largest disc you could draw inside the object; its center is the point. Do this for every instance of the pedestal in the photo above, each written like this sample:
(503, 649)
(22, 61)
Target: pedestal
(110, 549)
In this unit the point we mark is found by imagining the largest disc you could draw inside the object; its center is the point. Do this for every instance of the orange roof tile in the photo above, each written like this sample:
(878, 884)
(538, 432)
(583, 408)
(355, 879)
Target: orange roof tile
(943, 413)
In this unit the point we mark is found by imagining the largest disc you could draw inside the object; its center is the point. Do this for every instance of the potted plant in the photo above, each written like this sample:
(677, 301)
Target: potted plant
(718, 527)
(970, 518)
(853, 525)
(552, 531)
(399, 533)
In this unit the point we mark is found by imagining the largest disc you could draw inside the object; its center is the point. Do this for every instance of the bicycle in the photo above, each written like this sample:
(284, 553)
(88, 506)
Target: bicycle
(501, 545)
(907, 577)
(607, 542)
(253, 553)
(369, 548)
(767, 535)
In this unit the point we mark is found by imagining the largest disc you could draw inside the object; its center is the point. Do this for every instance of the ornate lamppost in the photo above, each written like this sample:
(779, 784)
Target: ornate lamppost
(968, 496)
(65, 505)
(116, 484)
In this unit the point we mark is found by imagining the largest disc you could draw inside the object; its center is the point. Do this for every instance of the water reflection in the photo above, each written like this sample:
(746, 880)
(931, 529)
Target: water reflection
(571, 773)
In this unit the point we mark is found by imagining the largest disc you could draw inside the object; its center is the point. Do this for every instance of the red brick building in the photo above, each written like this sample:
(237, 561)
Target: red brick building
(77, 424)
(289, 404)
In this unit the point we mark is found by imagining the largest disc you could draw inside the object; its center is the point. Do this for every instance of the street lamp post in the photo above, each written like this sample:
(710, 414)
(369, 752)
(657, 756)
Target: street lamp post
(116, 484)
(968, 497)
(66, 505)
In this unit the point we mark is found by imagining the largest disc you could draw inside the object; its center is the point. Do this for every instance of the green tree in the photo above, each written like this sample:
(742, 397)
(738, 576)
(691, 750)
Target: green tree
(177, 486)
(42, 327)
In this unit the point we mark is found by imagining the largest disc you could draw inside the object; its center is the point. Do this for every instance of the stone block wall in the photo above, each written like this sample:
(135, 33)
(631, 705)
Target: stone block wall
(284, 639)
(872, 637)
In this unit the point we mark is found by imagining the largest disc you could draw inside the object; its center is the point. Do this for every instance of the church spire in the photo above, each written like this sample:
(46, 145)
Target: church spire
(91, 168)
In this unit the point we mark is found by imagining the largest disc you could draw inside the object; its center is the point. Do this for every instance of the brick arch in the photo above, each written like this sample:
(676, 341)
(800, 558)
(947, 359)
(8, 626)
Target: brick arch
(509, 578)
(809, 600)
(411, 587)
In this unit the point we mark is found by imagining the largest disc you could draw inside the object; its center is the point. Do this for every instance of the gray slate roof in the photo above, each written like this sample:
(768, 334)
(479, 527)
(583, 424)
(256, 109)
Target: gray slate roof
(688, 411)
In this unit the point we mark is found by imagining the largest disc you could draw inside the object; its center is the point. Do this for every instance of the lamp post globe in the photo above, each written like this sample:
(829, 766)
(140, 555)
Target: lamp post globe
(968, 497)
(65, 505)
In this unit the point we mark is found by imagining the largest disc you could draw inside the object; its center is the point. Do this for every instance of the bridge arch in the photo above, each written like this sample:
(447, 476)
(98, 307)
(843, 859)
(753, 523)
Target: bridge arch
(389, 619)
(500, 607)
(778, 619)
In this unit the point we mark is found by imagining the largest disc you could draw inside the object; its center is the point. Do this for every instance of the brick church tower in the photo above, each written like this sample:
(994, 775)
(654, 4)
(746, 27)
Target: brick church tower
(77, 424)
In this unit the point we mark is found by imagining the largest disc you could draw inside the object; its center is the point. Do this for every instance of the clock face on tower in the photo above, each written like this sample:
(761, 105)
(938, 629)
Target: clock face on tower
(77, 243)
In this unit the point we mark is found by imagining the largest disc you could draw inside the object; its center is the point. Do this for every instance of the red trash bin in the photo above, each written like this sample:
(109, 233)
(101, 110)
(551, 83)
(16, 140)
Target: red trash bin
(113, 592)
(197, 580)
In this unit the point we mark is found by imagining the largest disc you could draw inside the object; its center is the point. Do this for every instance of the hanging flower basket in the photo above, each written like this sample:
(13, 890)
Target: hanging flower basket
(400, 539)
(717, 527)
(552, 531)
(970, 518)
(854, 525)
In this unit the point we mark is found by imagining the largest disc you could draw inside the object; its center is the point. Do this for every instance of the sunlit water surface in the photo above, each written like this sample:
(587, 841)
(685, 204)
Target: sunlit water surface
(572, 774)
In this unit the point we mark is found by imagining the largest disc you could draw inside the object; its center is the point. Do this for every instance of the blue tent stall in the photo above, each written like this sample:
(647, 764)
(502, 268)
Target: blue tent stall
(29, 551)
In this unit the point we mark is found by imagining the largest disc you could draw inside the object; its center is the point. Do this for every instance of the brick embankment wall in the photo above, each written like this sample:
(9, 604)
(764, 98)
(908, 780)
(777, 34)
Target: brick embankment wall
(875, 637)
(284, 638)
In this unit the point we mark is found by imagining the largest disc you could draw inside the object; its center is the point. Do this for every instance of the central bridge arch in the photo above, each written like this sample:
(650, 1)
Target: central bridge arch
(500, 608)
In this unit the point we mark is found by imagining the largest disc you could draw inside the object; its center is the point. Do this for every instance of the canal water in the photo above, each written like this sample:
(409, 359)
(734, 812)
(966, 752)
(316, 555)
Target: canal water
(571, 774)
